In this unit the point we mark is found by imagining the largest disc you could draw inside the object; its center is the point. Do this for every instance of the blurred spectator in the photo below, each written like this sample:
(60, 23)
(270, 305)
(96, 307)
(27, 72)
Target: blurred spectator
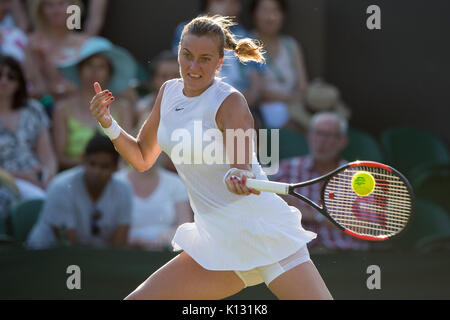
(245, 78)
(73, 125)
(162, 68)
(86, 205)
(93, 18)
(285, 80)
(6, 18)
(9, 193)
(327, 138)
(12, 39)
(26, 150)
(13, 42)
(320, 97)
(50, 44)
(230, 8)
(20, 15)
(160, 205)
(93, 14)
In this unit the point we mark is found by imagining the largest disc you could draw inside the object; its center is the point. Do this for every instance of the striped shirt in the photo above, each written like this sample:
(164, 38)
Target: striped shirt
(299, 169)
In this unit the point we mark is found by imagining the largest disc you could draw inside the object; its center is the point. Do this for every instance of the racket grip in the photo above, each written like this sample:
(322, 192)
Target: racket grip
(268, 186)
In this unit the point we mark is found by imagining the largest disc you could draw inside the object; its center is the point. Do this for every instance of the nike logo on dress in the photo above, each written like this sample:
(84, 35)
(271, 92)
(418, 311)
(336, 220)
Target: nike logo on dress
(178, 109)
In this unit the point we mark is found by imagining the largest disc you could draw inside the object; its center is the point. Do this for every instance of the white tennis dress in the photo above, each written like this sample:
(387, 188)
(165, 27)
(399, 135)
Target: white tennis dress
(230, 232)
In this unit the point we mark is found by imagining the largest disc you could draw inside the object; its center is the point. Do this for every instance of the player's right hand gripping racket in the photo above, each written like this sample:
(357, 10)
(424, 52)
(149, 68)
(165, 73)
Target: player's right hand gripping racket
(377, 216)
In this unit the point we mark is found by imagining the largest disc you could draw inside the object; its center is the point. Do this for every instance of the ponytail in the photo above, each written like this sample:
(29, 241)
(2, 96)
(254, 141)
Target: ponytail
(245, 49)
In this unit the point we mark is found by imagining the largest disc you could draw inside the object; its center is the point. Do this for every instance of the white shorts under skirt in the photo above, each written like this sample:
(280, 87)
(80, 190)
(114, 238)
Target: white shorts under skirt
(270, 272)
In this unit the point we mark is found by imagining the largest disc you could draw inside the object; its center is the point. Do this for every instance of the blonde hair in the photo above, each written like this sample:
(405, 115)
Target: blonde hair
(245, 49)
(37, 16)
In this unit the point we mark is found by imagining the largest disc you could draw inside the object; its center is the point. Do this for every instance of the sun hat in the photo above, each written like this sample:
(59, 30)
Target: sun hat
(124, 65)
(320, 97)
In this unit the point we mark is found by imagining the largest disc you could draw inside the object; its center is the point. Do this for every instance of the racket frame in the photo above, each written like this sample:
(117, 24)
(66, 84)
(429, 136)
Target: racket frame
(323, 210)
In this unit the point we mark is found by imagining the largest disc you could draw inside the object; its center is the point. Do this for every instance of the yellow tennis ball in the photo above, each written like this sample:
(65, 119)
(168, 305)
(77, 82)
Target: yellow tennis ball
(363, 183)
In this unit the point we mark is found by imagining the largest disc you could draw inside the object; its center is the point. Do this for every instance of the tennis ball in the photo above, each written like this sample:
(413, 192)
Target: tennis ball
(363, 183)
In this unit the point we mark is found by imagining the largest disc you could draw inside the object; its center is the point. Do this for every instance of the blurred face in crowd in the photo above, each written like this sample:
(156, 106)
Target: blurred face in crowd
(95, 68)
(199, 61)
(165, 70)
(99, 168)
(326, 139)
(54, 12)
(8, 81)
(268, 17)
(224, 7)
(5, 6)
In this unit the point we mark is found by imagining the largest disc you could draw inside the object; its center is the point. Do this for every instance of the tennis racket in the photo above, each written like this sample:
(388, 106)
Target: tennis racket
(378, 216)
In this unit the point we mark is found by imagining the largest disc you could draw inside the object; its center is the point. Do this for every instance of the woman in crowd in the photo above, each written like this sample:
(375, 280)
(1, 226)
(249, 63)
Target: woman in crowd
(285, 79)
(160, 205)
(51, 43)
(73, 126)
(26, 151)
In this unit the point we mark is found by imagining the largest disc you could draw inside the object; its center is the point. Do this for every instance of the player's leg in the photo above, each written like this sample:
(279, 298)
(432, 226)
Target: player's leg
(184, 279)
(295, 277)
(302, 282)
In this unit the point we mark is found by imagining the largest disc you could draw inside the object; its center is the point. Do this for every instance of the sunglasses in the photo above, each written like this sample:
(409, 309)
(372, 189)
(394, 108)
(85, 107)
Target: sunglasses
(95, 217)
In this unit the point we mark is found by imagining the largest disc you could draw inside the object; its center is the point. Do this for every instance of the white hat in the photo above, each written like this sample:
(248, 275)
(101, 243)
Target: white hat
(320, 97)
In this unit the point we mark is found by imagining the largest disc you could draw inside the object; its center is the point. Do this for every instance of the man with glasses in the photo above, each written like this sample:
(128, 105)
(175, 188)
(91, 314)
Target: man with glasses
(86, 205)
(327, 137)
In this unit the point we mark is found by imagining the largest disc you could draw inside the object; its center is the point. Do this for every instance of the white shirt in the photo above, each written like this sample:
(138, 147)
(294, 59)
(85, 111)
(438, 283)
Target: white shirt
(155, 214)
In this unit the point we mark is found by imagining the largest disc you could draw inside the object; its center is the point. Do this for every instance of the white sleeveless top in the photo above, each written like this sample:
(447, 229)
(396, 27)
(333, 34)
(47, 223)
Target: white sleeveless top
(230, 232)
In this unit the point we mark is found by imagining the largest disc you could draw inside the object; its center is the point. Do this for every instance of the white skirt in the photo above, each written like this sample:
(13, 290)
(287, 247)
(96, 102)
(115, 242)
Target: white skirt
(244, 240)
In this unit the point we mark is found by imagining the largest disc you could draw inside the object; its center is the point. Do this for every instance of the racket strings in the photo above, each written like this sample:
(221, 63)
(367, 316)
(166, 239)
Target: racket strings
(382, 183)
(384, 212)
(350, 171)
(372, 220)
(369, 230)
(378, 204)
(380, 192)
(370, 214)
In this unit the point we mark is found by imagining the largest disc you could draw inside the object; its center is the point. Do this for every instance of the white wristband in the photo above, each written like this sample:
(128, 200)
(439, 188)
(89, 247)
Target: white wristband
(113, 132)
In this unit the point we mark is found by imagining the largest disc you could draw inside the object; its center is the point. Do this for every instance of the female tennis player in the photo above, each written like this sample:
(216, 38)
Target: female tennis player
(240, 237)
